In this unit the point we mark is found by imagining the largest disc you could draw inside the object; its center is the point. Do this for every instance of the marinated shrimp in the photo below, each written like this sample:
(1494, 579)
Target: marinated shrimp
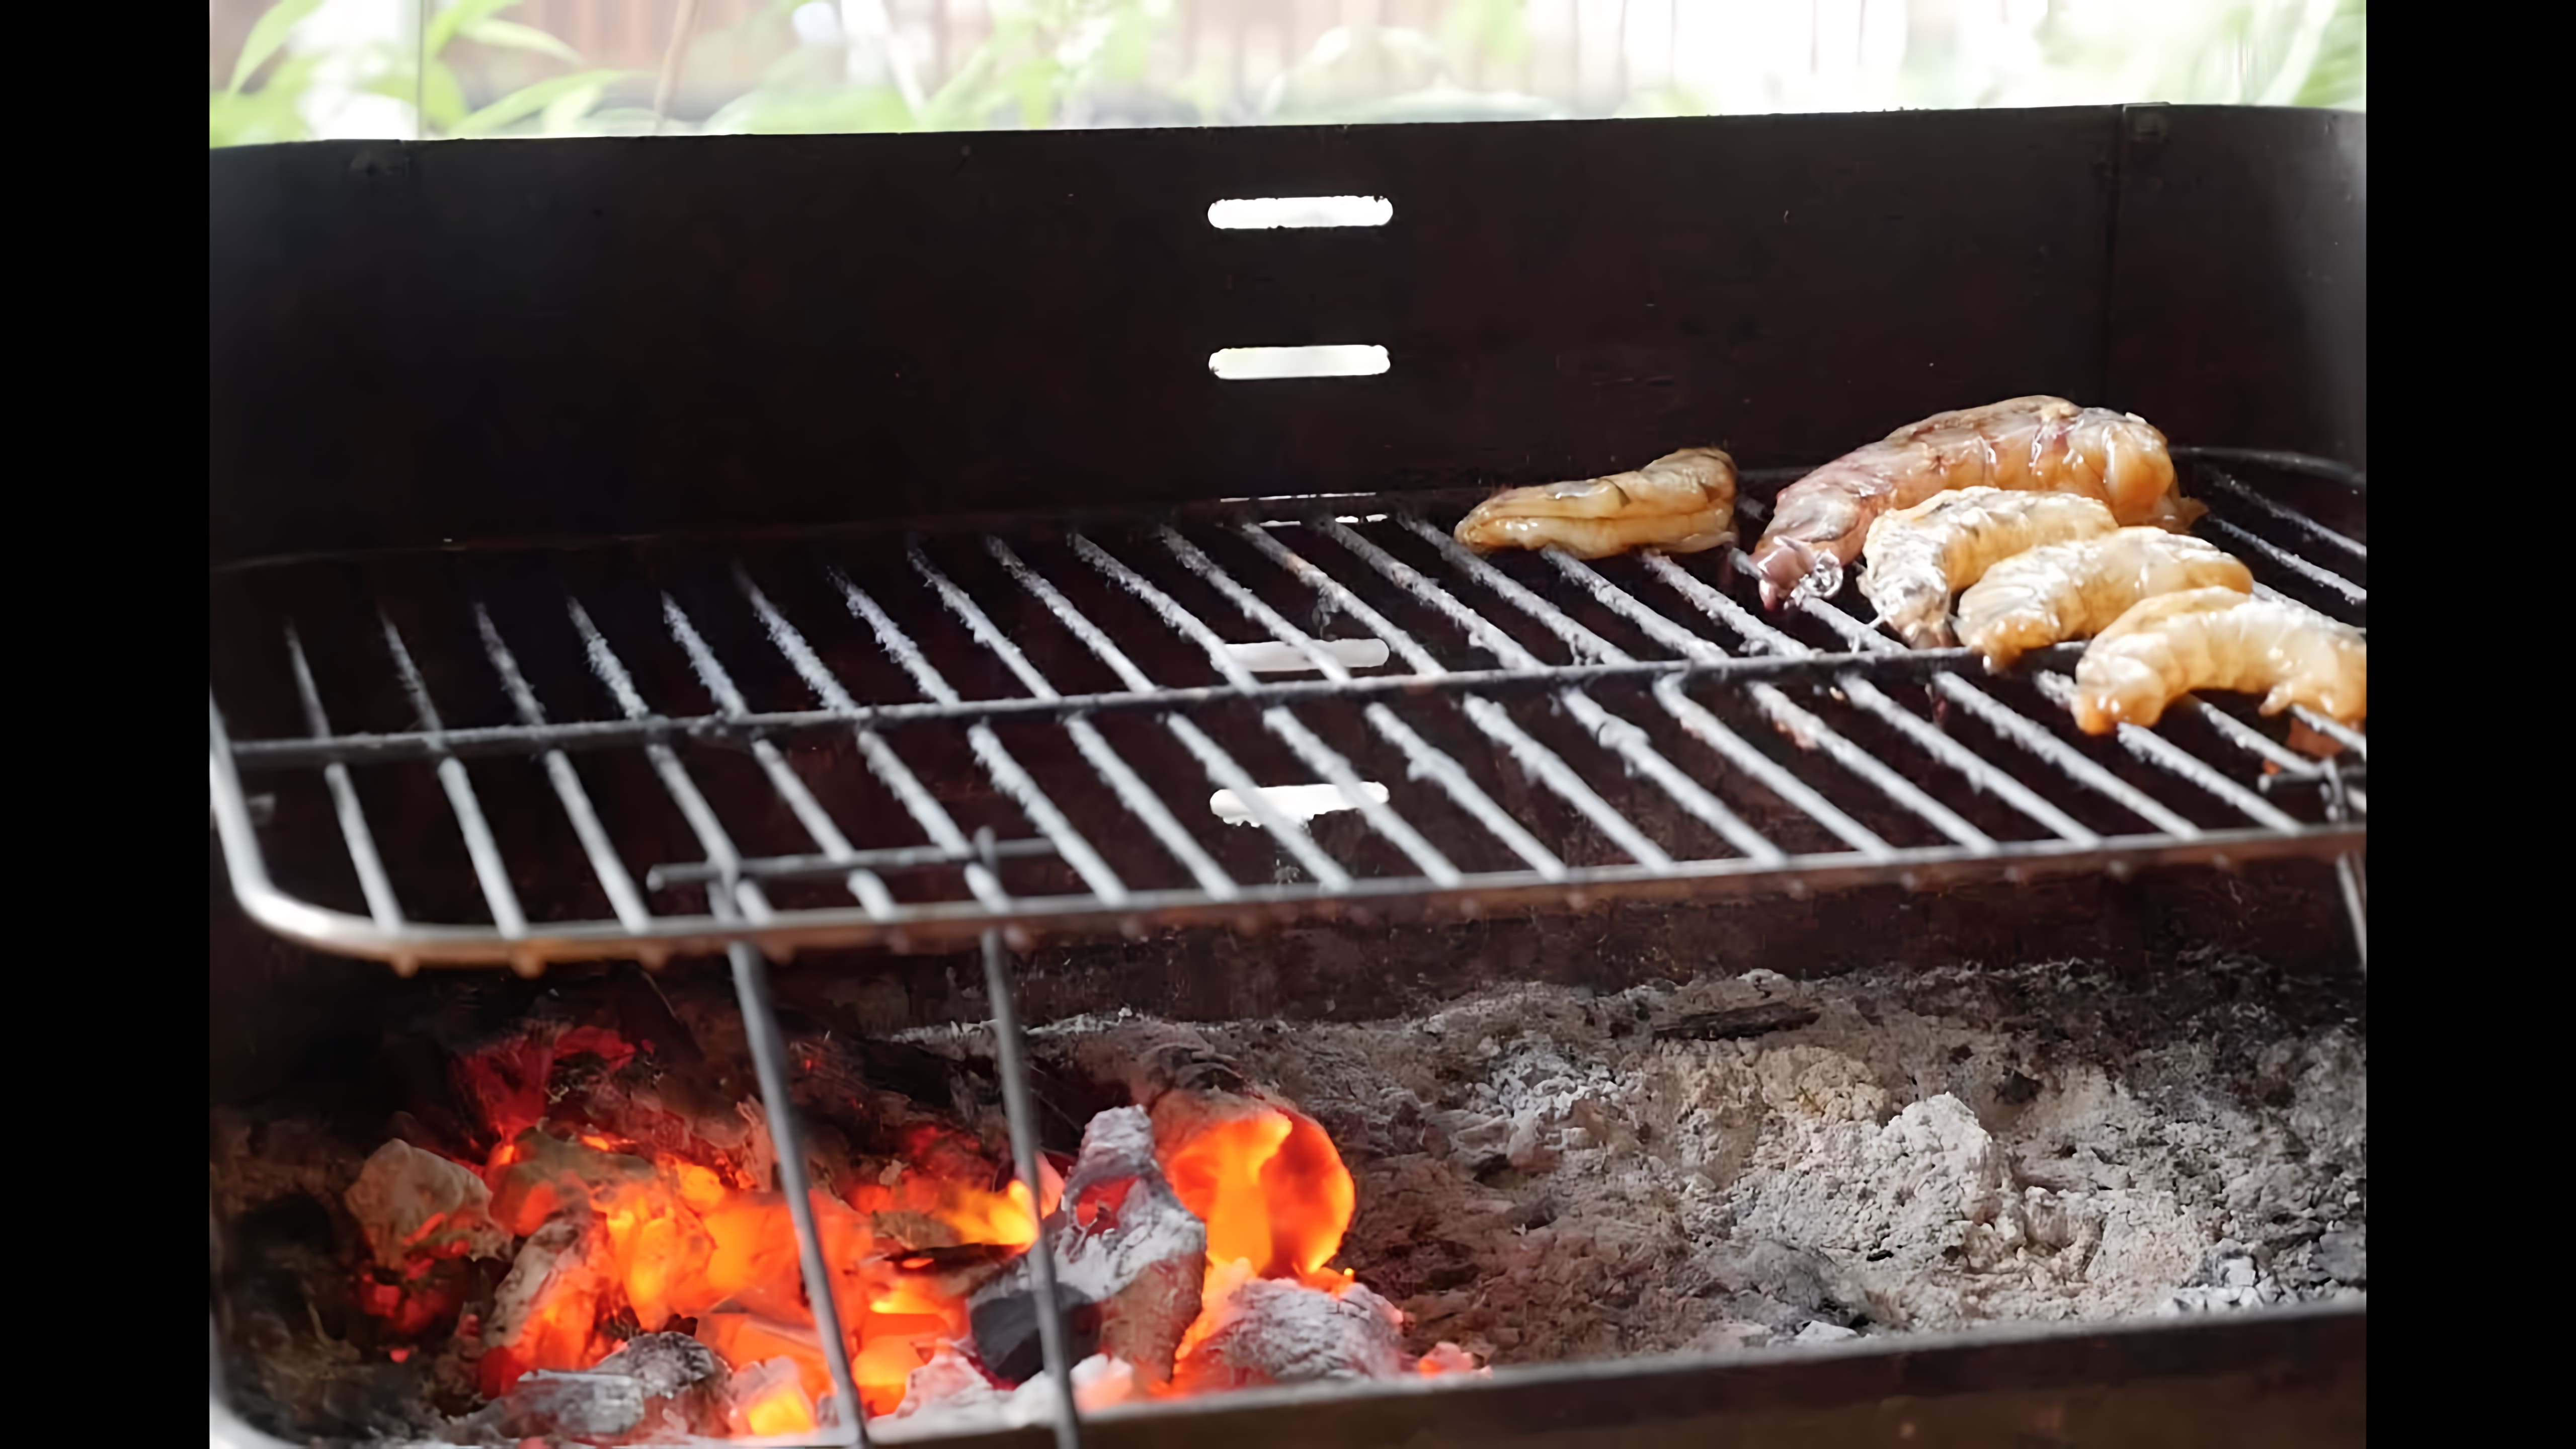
(2024, 444)
(2074, 590)
(1920, 556)
(2169, 645)
(1680, 503)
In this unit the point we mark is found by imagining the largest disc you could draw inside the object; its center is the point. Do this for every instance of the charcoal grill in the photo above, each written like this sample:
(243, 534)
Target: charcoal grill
(532, 700)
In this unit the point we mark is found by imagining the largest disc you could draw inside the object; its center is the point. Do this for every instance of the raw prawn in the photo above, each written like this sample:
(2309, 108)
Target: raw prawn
(2062, 591)
(2172, 644)
(1920, 556)
(1680, 503)
(2025, 444)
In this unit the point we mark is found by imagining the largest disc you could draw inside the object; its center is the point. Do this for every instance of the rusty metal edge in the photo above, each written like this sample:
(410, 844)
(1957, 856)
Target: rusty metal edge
(2283, 1376)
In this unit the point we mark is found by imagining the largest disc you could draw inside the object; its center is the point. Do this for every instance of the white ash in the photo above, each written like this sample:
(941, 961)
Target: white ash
(948, 1396)
(409, 1201)
(1541, 1178)
(1150, 1228)
(1266, 1331)
(558, 1260)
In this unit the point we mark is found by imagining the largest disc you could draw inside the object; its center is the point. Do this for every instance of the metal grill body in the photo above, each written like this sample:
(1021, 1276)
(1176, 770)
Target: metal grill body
(727, 741)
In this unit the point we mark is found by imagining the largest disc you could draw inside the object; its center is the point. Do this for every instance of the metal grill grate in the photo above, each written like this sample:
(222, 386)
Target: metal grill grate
(631, 750)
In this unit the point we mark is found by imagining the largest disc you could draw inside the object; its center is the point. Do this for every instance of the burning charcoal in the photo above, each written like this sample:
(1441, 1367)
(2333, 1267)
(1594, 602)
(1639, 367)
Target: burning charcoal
(1004, 1320)
(682, 1380)
(1268, 1332)
(949, 1381)
(408, 1201)
(1129, 1262)
(666, 1364)
(1448, 1358)
(1263, 1176)
(549, 1176)
(589, 1407)
(543, 1312)
(948, 1395)
(768, 1398)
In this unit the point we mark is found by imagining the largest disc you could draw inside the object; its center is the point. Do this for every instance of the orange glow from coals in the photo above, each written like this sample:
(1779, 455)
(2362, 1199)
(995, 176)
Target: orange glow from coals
(779, 1409)
(678, 1233)
(672, 1240)
(1272, 1191)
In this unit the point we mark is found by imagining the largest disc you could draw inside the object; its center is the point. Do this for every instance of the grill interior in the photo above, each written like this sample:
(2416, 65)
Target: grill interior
(556, 754)
(617, 749)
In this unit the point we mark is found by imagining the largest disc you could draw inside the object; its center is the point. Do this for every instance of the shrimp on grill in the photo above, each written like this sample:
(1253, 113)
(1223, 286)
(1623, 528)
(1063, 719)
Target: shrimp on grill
(2025, 444)
(1920, 556)
(1681, 503)
(2062, 591)
(2219, 639)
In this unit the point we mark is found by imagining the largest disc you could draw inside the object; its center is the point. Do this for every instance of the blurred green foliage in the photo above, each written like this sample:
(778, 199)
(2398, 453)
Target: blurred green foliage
(417, 75)
(1055, 63)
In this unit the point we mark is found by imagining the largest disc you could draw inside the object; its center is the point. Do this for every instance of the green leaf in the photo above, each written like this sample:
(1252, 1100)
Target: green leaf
(528, 100)
(511, 35)
(268, 114)
(267, 35)
(802, 113)
(565, 111)
(2342, 72)
(447, 23)
(443, 99)
(956, 104)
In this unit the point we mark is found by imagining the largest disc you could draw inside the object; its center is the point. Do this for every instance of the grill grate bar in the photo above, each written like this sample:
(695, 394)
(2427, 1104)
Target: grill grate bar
(489, 871)
(882, 761)
(1222, 769)
(2351, 739)
(1785, 714)
(778, 1103)
(808, 867)
(1798, 723)
(1019, 1111)
(2288, 762)
(1874, 700)
(1866, 695)
(996, 759)
(2324, 578)
(595, 844)
(809, 812)
(1113, 770)
(1793, 720)
(2348, 870)
(2212, 478)
(521, 740)
(1420, 756)
(1606, 728)
(1490, 719)
(1317, 756)
(378, 887)
(2156, 750)
(683, 790)
(2017, 727)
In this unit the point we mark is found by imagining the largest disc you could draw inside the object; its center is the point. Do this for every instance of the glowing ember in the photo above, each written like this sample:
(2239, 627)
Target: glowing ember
(1270, 1187)
(673, 1241)
(681, 1234)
